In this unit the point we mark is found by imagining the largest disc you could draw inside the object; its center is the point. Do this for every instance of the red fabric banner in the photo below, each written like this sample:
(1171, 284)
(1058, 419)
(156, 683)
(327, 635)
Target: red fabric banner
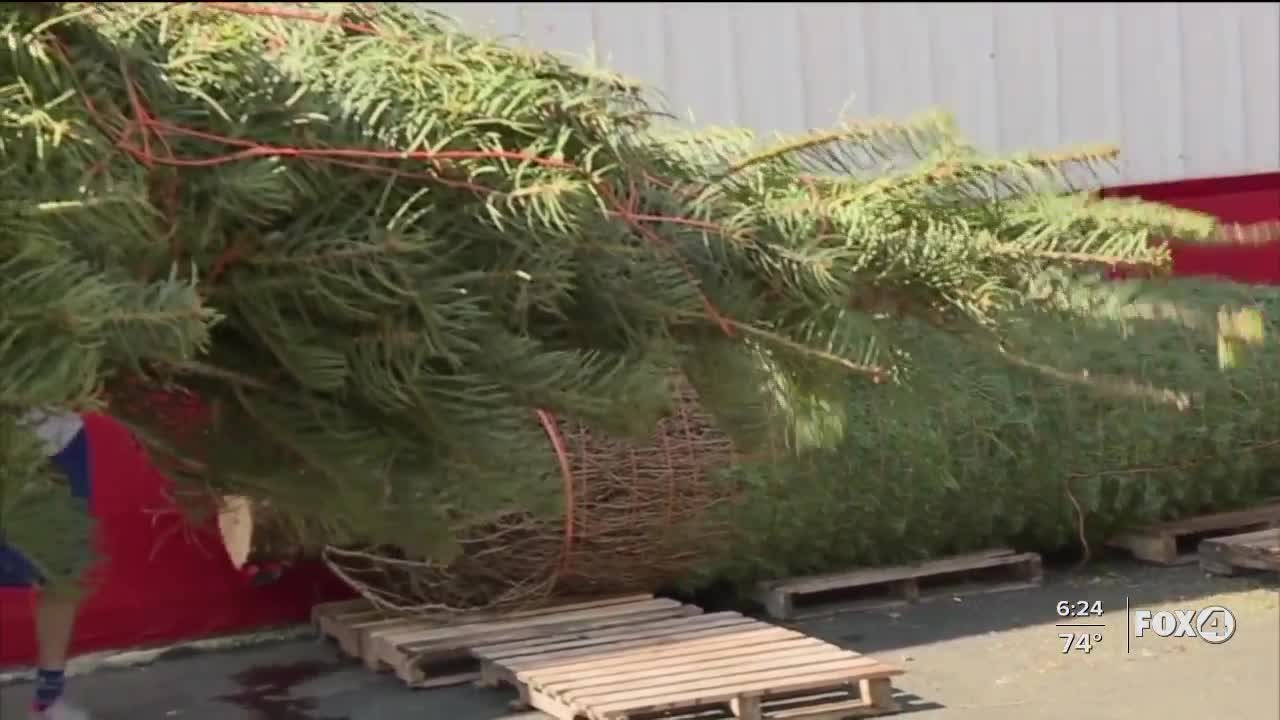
(1247, 199)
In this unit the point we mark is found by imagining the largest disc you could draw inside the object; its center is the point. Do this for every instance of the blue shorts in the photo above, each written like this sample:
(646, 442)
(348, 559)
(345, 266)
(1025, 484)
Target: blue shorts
(73, 461)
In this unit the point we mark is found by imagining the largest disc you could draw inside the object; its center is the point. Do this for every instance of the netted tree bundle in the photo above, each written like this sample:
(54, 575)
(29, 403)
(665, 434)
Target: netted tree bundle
(635, 515)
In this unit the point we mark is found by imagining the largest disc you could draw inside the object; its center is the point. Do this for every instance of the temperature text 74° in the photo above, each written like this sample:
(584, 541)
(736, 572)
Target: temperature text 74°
(1082, 642)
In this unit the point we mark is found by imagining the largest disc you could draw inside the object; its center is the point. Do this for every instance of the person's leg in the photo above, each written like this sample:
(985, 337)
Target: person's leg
(56, 606)
(55, 623)
(55, 619)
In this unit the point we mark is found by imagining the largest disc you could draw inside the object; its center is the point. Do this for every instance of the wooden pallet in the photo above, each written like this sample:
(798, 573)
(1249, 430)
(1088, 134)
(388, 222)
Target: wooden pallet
(686, 666)
(1258, 550)
(1175, 542)
(432, 654)
(982, 572)
(341, 620)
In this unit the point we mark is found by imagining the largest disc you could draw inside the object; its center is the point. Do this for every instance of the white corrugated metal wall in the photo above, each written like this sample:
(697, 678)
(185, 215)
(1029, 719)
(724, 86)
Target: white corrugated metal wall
(1185, 89)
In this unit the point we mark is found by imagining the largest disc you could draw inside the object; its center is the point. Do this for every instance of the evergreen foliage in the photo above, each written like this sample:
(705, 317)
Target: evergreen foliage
(375, 246)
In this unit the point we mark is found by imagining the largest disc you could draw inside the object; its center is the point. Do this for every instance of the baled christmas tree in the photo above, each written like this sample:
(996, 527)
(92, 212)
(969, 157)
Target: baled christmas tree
(423, 245)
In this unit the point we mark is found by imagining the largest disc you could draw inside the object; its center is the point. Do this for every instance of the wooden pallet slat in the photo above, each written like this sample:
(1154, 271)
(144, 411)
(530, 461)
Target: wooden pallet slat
(726, 625)
(340, 607)
(518, 670)
(874, 697)
(393, 654)
(647, 633)
(451, 646)
(600, 650)
(731, 648)
(748, 701)
(1175, 542)
(993, 570)
(558, 607)
(842, 704)
(656, 676)
(438, 653)
(343, 622)
(747, 686)
(709, 687)
(838, 580)
(331, 618)
(518, 627)
(1251, 551)
(741, 700)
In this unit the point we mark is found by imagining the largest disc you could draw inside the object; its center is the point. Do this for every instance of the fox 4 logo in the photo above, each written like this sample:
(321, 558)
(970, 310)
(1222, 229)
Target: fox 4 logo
(1214, 624)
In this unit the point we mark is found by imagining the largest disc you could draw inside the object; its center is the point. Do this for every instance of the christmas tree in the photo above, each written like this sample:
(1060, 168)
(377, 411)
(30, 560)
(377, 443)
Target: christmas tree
(383, 252)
